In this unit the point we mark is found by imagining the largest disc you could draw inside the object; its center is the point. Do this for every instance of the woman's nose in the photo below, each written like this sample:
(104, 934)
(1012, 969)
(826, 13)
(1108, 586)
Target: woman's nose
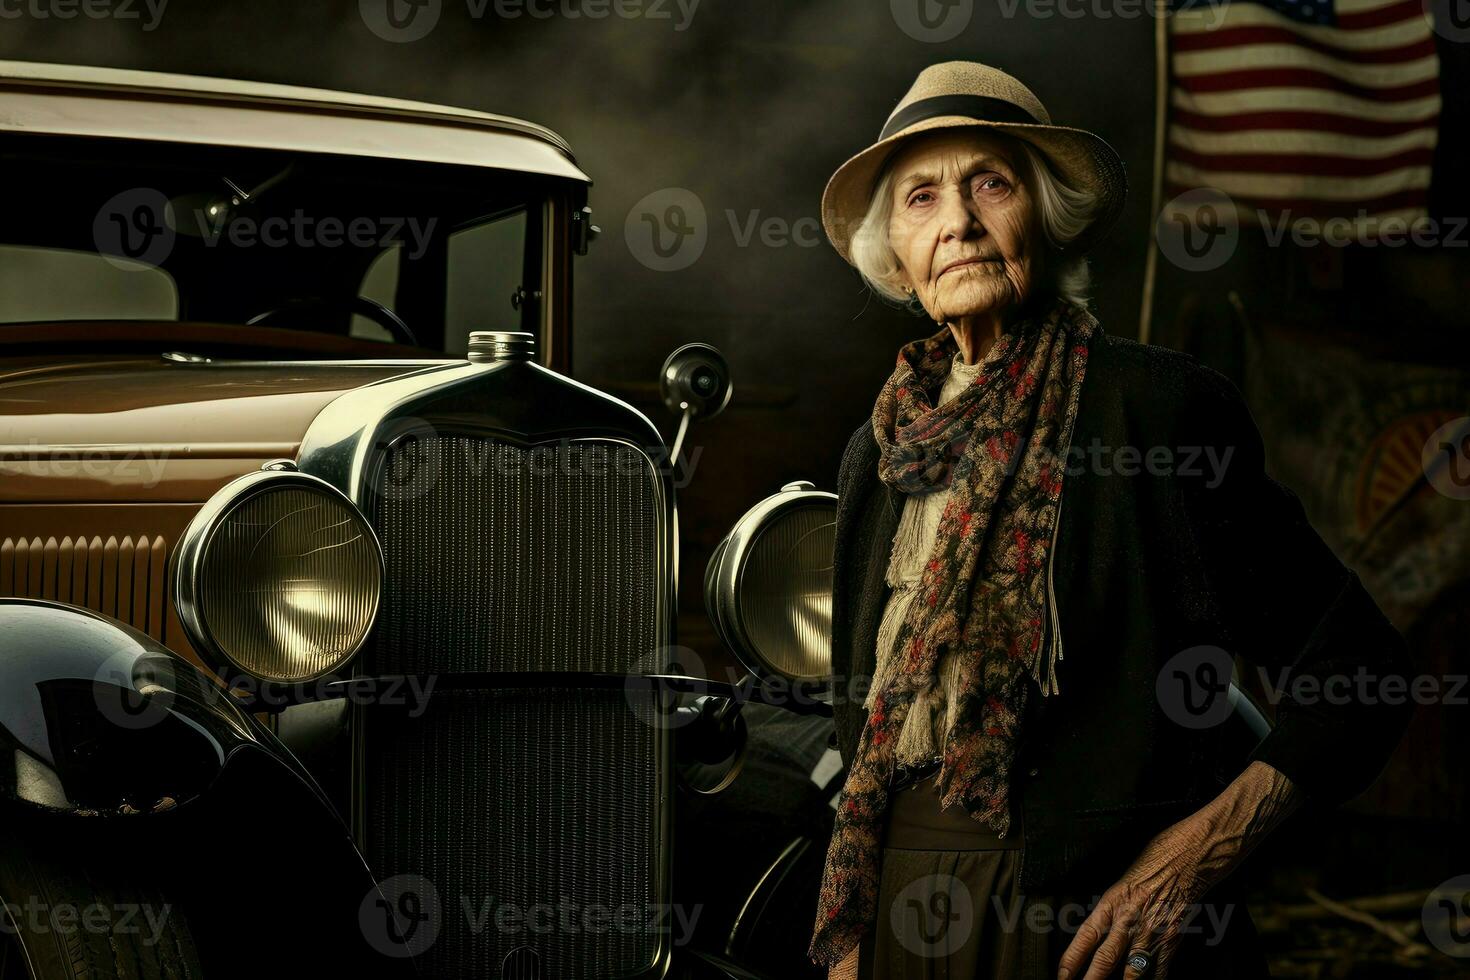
(960, 219)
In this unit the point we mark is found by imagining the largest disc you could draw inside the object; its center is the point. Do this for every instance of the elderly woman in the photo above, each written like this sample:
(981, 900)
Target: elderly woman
(1009, 812)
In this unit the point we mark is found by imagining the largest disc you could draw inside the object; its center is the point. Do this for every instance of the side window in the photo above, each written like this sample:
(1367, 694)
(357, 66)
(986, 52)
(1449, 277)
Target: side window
(479, 266)
(380, 284)
(486, 265)
(41, 284)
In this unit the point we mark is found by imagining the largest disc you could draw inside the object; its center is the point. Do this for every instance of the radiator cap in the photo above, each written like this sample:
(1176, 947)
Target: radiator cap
(488, 346)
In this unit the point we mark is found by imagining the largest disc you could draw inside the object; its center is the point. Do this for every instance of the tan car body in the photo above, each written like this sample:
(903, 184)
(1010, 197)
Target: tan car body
(104, 459)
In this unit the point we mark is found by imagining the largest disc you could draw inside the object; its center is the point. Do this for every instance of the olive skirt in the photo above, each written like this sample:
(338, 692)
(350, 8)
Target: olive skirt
(950, 905)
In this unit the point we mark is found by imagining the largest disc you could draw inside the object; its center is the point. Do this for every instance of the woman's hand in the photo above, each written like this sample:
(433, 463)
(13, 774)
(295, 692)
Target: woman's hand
(1156, 898)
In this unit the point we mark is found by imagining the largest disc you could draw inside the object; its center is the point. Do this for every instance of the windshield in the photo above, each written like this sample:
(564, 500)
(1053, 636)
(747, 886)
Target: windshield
(381, 251)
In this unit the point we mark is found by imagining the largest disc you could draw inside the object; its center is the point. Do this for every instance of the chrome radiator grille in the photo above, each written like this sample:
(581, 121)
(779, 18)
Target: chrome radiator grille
(504, 559)
(521, 807)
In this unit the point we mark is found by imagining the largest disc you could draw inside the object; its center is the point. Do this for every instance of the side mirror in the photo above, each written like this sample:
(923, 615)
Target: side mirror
(768, 585)
(695, 381)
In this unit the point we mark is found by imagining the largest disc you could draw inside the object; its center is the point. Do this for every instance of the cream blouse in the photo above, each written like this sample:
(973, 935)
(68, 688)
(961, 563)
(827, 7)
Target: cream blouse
(912, 545)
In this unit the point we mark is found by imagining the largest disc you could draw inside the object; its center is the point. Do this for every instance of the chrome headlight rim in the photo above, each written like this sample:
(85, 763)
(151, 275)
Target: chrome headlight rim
(726, 572)
(194, 546)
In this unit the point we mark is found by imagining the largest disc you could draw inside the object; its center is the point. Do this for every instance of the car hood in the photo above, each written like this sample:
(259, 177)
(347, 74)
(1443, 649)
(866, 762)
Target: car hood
(191, 427)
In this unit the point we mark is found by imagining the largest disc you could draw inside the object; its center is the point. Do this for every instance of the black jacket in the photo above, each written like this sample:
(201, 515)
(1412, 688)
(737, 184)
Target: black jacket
(1149, 563)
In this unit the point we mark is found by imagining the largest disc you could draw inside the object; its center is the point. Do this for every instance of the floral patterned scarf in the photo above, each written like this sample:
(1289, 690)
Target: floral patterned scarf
(1000, 445)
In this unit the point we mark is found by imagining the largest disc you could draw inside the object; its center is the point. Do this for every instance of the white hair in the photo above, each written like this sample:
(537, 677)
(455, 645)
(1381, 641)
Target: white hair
(1064, 213)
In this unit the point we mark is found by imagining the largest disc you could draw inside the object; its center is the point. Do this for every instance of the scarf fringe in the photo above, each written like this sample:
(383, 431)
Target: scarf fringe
(916, 738)
(1044, 668)
(912, 542)
(936, 708)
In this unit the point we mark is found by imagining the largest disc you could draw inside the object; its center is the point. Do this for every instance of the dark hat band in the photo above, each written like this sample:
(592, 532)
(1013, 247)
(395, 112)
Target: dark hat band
(981, 107)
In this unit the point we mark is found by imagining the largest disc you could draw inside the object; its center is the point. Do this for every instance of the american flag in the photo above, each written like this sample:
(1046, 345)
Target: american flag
(1304, 108)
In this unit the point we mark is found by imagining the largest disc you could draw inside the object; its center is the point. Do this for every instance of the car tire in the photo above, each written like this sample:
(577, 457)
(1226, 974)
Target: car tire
(70, 913)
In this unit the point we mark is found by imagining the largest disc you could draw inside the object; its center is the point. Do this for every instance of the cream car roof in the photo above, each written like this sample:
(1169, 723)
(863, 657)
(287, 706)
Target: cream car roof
(118, 103)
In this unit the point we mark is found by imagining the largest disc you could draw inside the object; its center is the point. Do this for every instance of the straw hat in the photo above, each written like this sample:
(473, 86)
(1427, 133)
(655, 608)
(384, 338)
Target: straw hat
(958, 94)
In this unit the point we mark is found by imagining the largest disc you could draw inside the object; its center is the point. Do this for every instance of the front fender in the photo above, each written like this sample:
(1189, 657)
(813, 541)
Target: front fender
(97, 718)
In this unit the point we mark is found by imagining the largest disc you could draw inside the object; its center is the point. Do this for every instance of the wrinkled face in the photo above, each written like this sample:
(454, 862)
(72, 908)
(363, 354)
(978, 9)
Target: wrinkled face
(963, 225)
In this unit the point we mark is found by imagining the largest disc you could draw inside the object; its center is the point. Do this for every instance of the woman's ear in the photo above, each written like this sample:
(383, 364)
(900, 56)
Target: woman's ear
(904, 285)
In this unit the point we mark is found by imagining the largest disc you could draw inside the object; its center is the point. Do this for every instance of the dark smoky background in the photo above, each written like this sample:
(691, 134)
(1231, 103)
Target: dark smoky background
(750, 106)
(1349, 358)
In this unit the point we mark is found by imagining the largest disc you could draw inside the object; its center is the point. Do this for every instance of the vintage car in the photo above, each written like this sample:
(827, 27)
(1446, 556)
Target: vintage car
(337, 620)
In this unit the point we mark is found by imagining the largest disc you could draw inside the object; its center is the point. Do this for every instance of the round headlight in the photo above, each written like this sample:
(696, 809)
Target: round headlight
(768, 586)
(278, 576)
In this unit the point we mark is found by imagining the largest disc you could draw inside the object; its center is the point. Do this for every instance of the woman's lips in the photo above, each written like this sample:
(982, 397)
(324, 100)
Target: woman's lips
(964, 264)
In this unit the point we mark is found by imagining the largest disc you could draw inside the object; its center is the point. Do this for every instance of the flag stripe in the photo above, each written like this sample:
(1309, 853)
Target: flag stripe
(1242, 14)
(1294, 57)
(1289, 120)
(1234, 37)
(1369, 6)
(1326, 165)
(1344, 190)
(1351, 143)
(1310, 100)
(1392, 13)
(1230, 81)
(1406, 204)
